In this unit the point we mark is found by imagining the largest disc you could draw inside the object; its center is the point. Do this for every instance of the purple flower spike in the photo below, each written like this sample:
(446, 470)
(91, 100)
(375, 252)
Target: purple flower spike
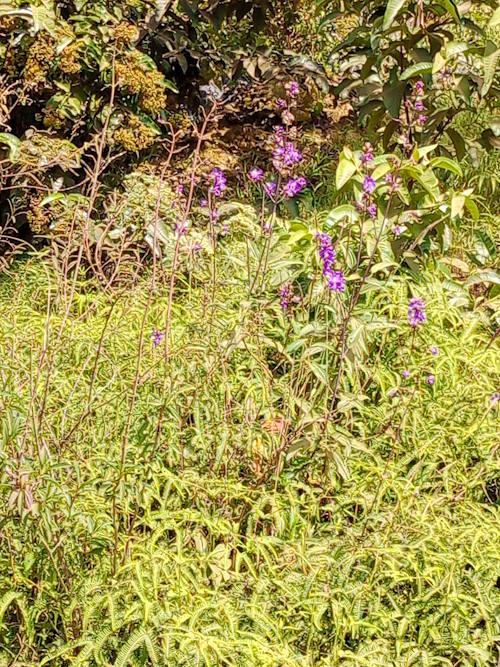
(367, 154)
(270, 188)
(369, 184)
(157, 338)
(286, 294)
(294, 186)
(336, 281)
(419, 105)
(219, 182)
(372, 210)
(292, 88)
(422, 120)
(431, 380)
(286, 155)
(326, 251)
(420, 87)
(416, 312)
(256, 174)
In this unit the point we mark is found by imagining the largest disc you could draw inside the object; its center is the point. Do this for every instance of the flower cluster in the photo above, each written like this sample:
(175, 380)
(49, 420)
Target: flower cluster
(294, 186)
(134, 136)
(286, 294)
(419, 105)
(157, 338)
(367, 204)
(334, 279)
(41, 55)
(217, 185)
(132, 75)
(416, 312)
(285, 156)
(219, 181)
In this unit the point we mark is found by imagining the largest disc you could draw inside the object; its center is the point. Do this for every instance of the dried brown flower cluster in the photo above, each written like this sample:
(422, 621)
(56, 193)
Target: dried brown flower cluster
(69, 62)
(135, 136)
(41, 55)
(125, 33)
(148, 84)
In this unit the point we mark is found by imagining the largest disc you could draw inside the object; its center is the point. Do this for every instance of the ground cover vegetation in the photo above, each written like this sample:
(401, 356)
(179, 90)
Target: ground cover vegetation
(249, 333)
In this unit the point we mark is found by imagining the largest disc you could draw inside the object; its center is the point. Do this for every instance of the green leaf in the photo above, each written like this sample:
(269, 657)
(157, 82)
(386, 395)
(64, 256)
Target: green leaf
(393, 96)
(457, 206)
(471, 206)
(454, 48)
(495, 19)
(487, 242)
(417, 69)
(451, 8)
(341, 212)
(446, 163)
(427, 179)
(490, 61)
(12, 142)
(345, 170)
(458, 142)
(486, 276)
(392, 10)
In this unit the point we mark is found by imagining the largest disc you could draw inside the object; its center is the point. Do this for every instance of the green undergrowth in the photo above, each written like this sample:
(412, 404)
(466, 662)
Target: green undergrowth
(154, 516)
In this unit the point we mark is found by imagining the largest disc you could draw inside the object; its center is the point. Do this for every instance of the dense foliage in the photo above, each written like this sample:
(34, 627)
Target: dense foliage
(249, 334)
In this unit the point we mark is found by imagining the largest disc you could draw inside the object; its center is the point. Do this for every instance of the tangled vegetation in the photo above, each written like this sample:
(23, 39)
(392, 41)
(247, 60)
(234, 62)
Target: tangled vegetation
(249, 333)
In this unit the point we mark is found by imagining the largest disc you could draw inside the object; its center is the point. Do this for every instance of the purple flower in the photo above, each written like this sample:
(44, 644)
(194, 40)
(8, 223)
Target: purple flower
(196, 248)
(180, 189)
(270, 188)
(157, 338)
(393, 393)
(434, 351)
(180, 229)
(281, 104)
(292, 88)
(224, 230)
(419, 105)
(372, 210)
(398, 230)
(256, 174)
(422, 120)
(326, 251)
(431, 380)
(416, 314)
(286, 155)
(286, 294)
(294, 186)
(420, 87)
(406, 374)
(367, 154)
(219, 182)
(369, 184)
(495, 398)
(203, 203)
(335, 280)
